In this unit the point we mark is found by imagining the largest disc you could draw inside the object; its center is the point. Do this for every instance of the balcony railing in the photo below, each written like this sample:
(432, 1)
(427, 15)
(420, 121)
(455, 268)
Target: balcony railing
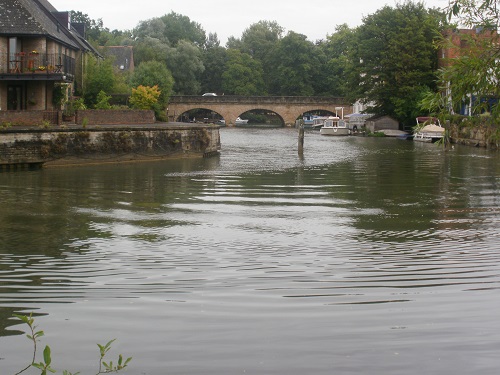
(36, 63)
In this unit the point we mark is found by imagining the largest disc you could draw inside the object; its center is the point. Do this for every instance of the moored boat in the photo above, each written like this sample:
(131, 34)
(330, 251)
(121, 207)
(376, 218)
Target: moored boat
(333, 126)
(240, 121)
(313, 121)
(428, 129)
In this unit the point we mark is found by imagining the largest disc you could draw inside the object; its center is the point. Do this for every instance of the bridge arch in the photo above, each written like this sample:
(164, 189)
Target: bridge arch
(289, 108)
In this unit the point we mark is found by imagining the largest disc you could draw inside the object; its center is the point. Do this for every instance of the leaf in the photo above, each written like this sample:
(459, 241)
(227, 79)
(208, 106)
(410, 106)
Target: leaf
(46, 355)
(23, 318)
(39, 334)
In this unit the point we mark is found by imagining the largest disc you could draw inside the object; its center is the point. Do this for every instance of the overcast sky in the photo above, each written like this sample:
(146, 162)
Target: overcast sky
(313, 18)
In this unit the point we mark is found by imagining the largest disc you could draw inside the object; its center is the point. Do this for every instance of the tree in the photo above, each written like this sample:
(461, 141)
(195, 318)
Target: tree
(243, 75)
(186, 65)
(99, 76)
(472, 13)
(214, 60)
(149, 48)
(171, 29)
(259, 41)
(331, 78)
(151, 73)
(394, 59)
(294, 62)
(473, 77)
(179, 27)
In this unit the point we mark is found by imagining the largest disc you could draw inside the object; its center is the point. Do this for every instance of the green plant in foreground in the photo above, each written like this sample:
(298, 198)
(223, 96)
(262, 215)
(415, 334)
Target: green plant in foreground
(45, 365)
(44, 124)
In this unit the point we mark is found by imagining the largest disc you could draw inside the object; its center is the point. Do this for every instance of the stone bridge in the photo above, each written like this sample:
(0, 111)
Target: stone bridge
(288, 108)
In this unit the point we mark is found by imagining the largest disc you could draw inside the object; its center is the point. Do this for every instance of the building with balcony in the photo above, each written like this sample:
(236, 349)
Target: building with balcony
(40, 52)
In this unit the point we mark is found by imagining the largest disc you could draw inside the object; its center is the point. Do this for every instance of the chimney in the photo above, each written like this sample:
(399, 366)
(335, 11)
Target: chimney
(80, 28)
(62, 18)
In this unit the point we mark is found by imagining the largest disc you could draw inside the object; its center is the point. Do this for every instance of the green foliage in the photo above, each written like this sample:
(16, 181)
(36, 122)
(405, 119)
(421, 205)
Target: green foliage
(214, 61)
(393, 60)
(331, 76)
(103, 101)
(389, 60)
(44, 124)
(150, 49)
(172, 28)
(45, 365)
(295, 62)
(5, 125)
(58, 95)
(243, 75)
(186, 64)
(73, 105)
(154, 73)
(260, 41)
(485, 13)
(179, 27)
(144, 97)
(99, 77)
(445, 142)
(472, 77)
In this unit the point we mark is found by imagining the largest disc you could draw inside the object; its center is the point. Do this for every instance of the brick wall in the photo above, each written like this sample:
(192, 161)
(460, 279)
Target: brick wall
(94, 117)
(112, 117)
(28, 118)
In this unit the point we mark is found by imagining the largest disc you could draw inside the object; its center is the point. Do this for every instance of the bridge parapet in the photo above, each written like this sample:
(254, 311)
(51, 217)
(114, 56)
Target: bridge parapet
(304, 100)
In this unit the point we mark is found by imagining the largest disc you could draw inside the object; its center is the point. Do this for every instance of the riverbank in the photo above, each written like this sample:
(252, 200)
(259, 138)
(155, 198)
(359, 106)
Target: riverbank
(25, 146)
(481, 135)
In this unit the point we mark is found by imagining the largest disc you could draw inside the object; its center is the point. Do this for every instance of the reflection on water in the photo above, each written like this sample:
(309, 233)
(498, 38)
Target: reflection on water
(365, 256)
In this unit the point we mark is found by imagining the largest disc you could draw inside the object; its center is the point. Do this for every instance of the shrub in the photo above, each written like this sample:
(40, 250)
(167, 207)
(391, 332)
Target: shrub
(144, 97)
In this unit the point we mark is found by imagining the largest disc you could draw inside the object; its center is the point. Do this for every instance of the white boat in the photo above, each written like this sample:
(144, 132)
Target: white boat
(318, 122)
(333, 126)
(313, 121)
(428, 129)
(240, 121)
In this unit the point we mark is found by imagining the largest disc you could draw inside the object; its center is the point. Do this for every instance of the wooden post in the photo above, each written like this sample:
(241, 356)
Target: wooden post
(301, 139)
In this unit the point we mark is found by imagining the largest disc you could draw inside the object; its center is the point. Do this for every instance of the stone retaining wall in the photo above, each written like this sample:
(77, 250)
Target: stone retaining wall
(108, 144)
(478, 136)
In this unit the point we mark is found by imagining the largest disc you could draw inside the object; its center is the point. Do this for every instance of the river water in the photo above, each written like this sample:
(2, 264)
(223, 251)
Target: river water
(365, 256)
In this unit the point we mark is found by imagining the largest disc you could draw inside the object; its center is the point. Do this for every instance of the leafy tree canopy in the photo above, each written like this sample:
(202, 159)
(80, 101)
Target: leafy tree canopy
(154, 73)
(99, 77)
(394, 59)
(186, 64)
(171, 29)
(243, 75)
(294, 60)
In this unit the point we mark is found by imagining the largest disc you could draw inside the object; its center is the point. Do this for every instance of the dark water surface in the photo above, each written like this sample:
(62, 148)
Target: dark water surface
(367, 256)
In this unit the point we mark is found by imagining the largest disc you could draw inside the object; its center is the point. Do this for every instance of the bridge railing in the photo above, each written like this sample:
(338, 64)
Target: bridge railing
(185, 99)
